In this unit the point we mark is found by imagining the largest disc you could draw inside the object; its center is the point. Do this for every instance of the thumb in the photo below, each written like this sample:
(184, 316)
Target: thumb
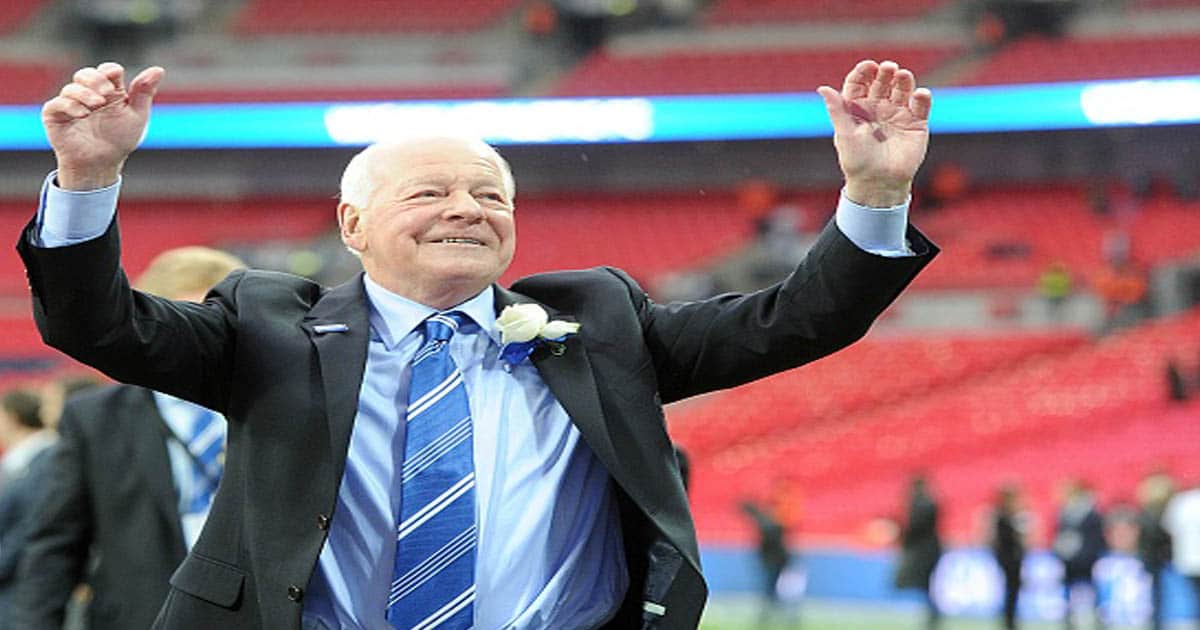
(143, 88)
(836, 107)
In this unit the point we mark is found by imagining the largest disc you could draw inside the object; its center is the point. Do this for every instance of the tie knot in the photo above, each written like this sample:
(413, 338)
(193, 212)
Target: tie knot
(442, 326)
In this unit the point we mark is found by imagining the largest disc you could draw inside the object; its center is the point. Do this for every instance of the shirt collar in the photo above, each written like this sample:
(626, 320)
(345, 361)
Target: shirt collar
(18, 457)
(394, 316)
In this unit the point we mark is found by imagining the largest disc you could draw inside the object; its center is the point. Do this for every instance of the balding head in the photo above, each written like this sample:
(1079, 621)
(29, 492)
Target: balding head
(361, 178)
(431, 218)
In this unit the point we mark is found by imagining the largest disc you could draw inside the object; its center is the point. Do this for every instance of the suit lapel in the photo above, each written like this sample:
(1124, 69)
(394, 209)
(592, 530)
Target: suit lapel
(151, 447)
(570, 378)
(338, 327)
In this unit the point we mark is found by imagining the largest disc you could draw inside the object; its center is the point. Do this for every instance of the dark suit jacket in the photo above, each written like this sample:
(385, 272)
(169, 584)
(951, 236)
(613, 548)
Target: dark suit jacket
(111, 497)
(251, 351)
(19, 502)
(1079, 542)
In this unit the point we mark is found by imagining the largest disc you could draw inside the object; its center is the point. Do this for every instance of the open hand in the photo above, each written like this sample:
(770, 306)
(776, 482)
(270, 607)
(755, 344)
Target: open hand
(95, 123)
(880, 129)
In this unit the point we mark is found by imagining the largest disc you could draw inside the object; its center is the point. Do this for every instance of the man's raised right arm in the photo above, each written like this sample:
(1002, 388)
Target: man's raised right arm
(82, 300)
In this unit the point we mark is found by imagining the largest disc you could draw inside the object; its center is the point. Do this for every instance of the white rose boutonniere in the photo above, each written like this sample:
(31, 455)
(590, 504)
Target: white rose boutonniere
(524, 327)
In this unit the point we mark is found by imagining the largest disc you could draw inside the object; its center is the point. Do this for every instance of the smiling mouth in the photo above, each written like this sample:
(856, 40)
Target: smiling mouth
(459, 241)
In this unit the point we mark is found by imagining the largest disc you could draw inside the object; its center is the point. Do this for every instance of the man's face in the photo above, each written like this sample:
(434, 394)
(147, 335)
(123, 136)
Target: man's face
(439, 225)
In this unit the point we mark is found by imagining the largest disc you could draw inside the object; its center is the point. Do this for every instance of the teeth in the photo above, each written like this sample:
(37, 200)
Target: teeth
(467, 241)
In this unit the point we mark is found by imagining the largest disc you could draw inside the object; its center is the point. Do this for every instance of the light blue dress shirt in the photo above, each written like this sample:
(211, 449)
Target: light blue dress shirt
(550, 549)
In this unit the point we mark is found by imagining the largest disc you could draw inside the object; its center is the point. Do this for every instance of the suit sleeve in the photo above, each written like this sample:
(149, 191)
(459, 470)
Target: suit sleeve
(60, 535)
(827, 303)
(14, 512)
(83, 305)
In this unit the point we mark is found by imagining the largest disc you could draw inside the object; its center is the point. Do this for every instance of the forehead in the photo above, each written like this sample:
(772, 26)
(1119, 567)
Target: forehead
(437, 157)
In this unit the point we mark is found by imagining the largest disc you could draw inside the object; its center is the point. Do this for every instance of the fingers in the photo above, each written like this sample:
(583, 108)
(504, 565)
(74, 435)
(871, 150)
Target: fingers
(94, 88)
(143, 88)
(858, 80)
(882, 81)
(77, 99)
(902, 87)
(836, 106)
(881, 87)
(63, 109)
(921, 103)
(84, 95)
(108, 83)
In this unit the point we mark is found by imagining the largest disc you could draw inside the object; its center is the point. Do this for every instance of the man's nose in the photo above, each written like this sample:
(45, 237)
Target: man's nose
(464, 205)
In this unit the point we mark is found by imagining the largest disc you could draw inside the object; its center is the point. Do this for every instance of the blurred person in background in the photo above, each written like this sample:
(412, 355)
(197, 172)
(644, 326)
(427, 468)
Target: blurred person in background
(57, 391)
(1008, 547)
(129, 486)
(54, 394)
(1021, 18)
(1122, 288)
(26, 442)
(920, 546)
(1079, 543)
(1153, 540)
(126, 29)
(772, 558)
(583, 519)
(1178, 389)
(1054, 287)
(780, 241)
(587, 22)
(1181, 520)
(773, 519)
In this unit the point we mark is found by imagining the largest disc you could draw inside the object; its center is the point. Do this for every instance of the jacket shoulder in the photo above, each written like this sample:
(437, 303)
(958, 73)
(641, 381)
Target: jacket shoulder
(93, 406)
(596, 282)
(267, 284)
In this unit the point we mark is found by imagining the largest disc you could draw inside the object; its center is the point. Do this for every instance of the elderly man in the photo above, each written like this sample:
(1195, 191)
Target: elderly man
(405, 450)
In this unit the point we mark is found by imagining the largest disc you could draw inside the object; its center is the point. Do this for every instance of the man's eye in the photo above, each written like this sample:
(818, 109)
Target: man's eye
(492, 196)
(428, 193)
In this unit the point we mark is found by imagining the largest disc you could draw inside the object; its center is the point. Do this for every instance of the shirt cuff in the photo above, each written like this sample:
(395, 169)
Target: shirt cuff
(879, 231)
(69, 217)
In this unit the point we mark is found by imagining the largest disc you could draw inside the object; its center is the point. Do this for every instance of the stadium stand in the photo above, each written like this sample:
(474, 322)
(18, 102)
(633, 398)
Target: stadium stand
(776, 11)
(15, 14)
(1141, 5)
(735, 71)
(260, 94)
(975, 433)
(647, 235)
(31, 81)
(826, 392)
(1076, 59)
(274, 17)
(989, 233)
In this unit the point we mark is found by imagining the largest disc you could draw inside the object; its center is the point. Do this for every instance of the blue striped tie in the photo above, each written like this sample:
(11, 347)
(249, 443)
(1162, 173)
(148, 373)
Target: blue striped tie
(433, 583)
(206, 443)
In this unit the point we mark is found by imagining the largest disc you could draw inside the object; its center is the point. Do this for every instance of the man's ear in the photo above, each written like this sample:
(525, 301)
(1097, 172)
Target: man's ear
(350, 224)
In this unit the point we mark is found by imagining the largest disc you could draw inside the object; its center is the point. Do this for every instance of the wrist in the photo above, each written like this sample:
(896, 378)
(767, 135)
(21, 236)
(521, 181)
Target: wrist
(84, 179)
(878, 195)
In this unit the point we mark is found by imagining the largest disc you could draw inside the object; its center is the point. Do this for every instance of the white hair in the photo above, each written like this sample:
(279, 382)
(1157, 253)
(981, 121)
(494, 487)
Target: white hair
(359, 180)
